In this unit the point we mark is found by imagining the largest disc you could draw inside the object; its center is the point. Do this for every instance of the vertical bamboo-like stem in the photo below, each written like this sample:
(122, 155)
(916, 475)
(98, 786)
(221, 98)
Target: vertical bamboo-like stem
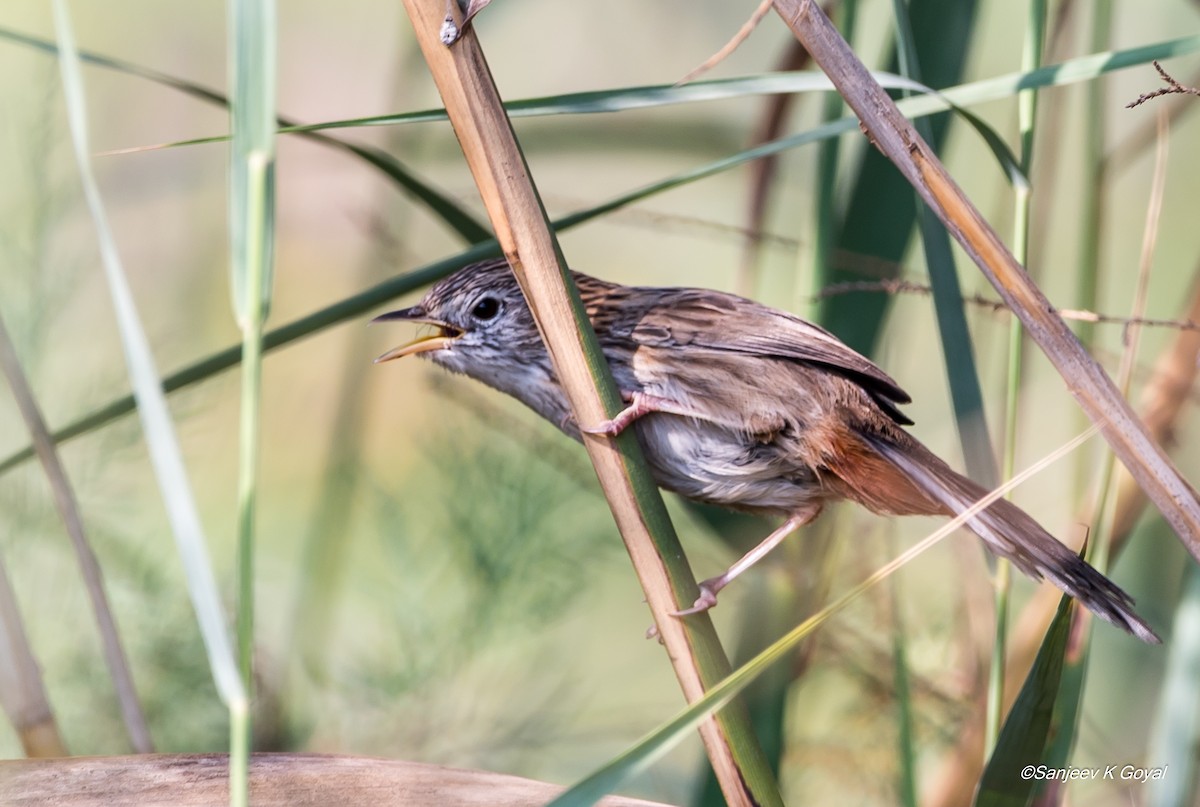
(490, 147)
(1086, 380)
(252, 38)
(163, 447)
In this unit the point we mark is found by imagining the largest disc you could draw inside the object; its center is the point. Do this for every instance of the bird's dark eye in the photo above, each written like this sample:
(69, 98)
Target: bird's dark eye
(486, 309)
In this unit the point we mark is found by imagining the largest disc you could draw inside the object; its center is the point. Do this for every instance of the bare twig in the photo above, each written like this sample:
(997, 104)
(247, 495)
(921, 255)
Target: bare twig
(902, 286)
(1173, 88)
(764, 8)
(1124, 153)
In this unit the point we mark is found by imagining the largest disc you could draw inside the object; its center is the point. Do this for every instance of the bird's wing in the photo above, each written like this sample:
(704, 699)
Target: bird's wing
(699, 318)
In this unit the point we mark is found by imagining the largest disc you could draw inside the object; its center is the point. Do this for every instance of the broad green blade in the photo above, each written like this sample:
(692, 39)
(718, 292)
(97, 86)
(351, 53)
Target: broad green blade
(642, 754)
(1068, 708)
(966, 393)
(882, 210)
(1009, 780)
(769, 612)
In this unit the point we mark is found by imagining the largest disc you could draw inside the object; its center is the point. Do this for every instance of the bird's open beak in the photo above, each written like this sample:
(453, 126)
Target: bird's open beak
(442, 337)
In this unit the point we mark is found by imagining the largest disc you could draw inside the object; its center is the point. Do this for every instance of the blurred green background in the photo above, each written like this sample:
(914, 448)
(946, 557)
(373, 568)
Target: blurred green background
(438, 577)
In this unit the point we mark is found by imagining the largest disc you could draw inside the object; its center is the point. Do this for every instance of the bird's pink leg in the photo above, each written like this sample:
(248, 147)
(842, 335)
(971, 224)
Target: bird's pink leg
(640, 403)
(710, 587)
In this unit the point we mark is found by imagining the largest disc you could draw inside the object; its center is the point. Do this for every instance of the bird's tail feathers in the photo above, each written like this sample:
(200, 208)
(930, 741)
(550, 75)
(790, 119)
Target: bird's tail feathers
(1011, 533)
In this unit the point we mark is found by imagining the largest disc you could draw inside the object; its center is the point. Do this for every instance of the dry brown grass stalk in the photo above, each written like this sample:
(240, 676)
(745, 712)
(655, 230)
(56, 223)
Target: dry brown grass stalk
(476, 112)
(68, 510)
(22, 692)
(1095, 392)
(764, 8)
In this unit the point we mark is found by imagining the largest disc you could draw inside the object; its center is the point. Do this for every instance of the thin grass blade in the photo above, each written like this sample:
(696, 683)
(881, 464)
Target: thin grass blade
(454, 215)
(1031, 58)
(1072, 71)
(966, 393)
(151, 403)
(905, 734)
(252, 39)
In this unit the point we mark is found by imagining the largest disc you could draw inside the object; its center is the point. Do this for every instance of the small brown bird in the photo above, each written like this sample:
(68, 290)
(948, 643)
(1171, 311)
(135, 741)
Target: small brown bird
(739, 405)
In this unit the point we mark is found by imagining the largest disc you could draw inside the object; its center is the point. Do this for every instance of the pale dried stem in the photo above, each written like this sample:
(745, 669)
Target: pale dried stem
(764, 8)
(93, 579)
(1146, 262)
(518, 217)
(22, 691)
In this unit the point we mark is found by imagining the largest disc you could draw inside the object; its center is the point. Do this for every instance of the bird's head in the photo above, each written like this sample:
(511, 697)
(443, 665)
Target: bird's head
(479, 324)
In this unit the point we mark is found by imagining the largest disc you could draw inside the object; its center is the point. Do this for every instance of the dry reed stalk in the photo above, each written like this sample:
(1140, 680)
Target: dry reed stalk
(1087, 381)
(476, 112)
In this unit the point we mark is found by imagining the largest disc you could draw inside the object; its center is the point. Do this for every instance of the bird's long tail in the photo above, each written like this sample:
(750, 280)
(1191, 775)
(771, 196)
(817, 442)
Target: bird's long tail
(930, 486)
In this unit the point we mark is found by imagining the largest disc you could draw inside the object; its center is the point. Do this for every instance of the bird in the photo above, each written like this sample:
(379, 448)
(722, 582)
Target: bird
(739, 405)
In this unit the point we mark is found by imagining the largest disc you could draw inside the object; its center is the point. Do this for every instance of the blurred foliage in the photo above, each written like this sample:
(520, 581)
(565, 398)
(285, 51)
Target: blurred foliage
(438, 579)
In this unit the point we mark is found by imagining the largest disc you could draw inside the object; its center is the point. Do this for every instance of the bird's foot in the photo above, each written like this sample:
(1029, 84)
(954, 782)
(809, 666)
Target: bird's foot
(640, 403)
(707, 598)
(620, 421)
(615, 425)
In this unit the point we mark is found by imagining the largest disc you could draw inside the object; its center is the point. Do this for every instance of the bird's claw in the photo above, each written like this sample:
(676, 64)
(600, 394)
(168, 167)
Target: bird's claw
(639, 404)
(706, 600)
(607, 428)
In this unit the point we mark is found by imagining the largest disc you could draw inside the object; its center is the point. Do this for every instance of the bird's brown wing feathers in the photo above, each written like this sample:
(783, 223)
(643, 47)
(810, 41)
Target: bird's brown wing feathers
(706, 319)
